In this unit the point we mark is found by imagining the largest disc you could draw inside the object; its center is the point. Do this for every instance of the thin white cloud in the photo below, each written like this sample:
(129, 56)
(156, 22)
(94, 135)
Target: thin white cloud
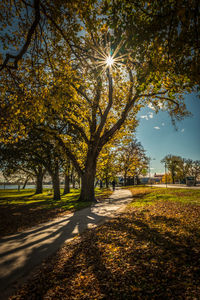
(157, 128)
(150, 105)
(182, 130)
(160, 104)
(144, 117)
(150, 115)
(163, 124)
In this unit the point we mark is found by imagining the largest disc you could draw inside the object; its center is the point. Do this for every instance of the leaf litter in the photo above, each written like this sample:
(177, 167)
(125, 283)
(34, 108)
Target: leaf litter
(148, 252)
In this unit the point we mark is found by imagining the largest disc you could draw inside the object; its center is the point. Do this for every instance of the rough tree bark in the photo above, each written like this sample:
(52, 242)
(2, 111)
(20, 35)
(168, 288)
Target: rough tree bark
(39, 181)
(107, 182)
(56, 182)
(88, 179)
(25, 182)
(67, 184)
(125, 179)
(67, 178)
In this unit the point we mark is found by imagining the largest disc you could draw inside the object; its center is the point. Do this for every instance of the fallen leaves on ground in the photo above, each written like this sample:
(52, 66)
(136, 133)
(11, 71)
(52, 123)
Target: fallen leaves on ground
(148, 252)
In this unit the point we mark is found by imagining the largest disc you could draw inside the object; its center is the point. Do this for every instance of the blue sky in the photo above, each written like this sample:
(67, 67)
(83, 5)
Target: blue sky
(159, 137)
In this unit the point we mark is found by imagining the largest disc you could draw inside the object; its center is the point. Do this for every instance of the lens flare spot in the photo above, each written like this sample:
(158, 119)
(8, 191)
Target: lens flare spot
(109, 61)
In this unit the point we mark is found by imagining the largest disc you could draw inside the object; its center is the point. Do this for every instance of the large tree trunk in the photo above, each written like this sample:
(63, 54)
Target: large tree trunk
(73, 180)
(79, 181)
(67, 186)
(87, 181)
(107, 182)
(173, 178)
(39, 181)
(125, 179)
(25, 182)
(56, 183)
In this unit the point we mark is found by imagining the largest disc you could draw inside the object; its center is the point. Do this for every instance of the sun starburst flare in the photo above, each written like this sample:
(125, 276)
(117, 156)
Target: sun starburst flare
(105, 58)
(109, 61)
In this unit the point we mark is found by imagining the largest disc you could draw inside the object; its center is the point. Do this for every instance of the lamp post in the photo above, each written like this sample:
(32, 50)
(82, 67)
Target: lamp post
(150, 169)
(165, 175)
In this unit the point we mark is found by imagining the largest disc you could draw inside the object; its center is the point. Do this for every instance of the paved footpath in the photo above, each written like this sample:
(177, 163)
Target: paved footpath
(21, 252)
(175, 186)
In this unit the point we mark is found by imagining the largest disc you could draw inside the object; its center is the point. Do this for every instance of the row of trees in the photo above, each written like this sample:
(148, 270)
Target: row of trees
(180, 168)
(34, 158)
(75, 74)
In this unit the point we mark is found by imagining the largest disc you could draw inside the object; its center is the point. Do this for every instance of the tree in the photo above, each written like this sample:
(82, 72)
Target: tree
(194, 168)
(183, 169)
(97, 80)
(173, 164)
(167, 178)
(107, 165)
(67, 169)
(48, 155)
(163, 25)
(18, 161)
(180, 167)
(132, 159)
(30, 31)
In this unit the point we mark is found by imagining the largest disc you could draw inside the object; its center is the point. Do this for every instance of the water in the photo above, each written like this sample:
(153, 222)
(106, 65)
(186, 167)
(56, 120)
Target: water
(15, 186)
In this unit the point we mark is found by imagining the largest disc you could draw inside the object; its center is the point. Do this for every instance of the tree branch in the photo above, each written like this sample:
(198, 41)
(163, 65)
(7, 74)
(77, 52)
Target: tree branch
(108, 134)
(46, 48)
(81, 131)
(130, 103)
(64, 147)
(95, 106)
(110, 102)
(27, 42)
(69, 154)
(81, 93)
(169, 99)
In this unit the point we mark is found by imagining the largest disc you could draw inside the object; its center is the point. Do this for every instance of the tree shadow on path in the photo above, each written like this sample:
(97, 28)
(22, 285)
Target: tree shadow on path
(19, 254)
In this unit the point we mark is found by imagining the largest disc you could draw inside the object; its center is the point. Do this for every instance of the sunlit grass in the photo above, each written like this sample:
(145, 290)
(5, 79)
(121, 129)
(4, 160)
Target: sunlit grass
(146, 196)
(27, 197)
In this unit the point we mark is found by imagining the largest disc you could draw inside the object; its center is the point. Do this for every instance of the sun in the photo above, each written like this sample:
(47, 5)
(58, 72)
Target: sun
(107, 58)
(109, 61)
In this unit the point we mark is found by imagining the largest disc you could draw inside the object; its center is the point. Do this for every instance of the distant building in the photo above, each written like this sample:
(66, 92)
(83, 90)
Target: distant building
(144, 180)
(190, 181)
(158, 177)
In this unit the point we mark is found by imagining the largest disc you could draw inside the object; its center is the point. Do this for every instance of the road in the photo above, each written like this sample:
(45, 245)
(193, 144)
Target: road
(175, 186)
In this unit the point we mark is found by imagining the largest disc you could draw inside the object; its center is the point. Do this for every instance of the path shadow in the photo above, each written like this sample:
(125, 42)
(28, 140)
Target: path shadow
(163, 269)
(160, 270)
(26, 250)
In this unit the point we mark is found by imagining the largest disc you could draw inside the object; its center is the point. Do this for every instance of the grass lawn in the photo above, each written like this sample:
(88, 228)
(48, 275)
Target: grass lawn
(23, 209)
(151, 251)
